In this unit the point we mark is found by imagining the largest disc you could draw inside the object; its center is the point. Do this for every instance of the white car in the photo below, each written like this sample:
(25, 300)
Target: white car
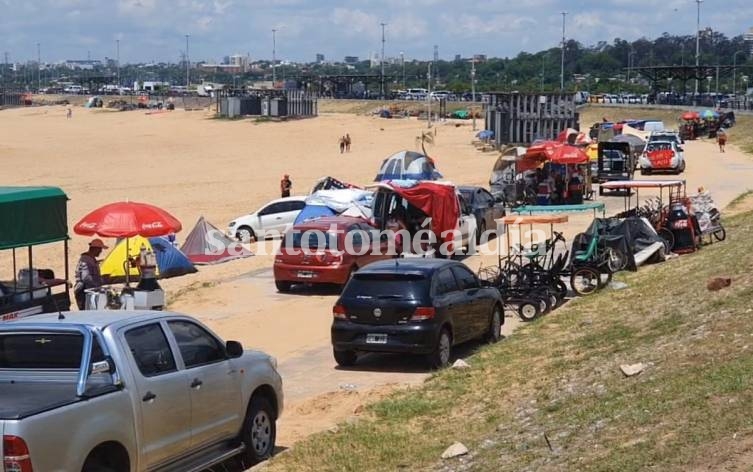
(662, 156)
(271, 220)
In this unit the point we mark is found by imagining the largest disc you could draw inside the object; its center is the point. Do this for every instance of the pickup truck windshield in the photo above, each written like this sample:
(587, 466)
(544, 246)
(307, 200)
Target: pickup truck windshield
(44, 351)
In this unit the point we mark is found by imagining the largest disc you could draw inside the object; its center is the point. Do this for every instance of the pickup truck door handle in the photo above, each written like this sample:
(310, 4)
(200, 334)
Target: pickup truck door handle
(196, 383)
(148, 397)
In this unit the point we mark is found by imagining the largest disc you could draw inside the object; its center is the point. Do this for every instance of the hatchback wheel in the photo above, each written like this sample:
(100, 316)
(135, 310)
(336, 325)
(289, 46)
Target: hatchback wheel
(345, 358)
(442, 351)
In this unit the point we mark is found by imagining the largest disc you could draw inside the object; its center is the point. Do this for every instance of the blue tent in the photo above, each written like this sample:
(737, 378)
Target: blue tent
(171, 262)
(312, 212)
(407, 165)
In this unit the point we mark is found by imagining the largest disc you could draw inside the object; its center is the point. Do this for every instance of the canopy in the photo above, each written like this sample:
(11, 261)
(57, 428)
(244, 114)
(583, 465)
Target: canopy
(461, 114)
(629, 130)
(438, 201)
(636, 143)
(690, 115)
(407, 165)
(171, 262)
(709, 114)
(551, 151)
(206, 244)
(569, 155)
(127, 219)
(592, 151)
(32, 215)
(513, 220)
(625, 184)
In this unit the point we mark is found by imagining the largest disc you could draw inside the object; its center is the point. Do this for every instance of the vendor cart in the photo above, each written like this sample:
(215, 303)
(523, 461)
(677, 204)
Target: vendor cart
(31, 217)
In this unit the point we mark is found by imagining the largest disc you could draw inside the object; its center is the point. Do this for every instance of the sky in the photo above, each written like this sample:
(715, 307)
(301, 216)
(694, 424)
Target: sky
(155, 30)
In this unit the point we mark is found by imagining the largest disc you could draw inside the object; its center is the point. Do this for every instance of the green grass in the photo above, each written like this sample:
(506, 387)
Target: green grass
(559, 377)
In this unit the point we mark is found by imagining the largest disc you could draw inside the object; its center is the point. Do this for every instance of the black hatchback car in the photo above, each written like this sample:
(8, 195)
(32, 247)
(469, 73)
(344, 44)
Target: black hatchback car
(414, 306)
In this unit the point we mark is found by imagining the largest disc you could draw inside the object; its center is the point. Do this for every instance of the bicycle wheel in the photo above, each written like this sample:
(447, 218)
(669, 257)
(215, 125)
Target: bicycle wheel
(616, 260)
(585, 280)
(720, 234)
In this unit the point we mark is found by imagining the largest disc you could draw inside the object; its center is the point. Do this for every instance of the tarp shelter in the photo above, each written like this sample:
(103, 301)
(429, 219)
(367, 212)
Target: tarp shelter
(461, 114)
(21, 211)
(485, 134)
(206, 244)
(350, 202)
(438, 201)
(171, 262)
(385, 114)
(330, 183)
(636, 142)
(407, 165)
(636, 234)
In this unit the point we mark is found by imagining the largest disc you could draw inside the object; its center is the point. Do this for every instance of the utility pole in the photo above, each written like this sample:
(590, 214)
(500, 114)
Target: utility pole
(402, 63)
(734, 70)
(381, 63)
(274, 57)
(473, 79)
(562, 66)
(5, 71)
(428, 97)
(188, 66)
(39, 68)
(117, 56)
(436, 60)
(697, 49)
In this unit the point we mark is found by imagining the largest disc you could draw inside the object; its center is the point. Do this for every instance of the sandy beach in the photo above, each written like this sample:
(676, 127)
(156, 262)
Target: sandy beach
(194, 165)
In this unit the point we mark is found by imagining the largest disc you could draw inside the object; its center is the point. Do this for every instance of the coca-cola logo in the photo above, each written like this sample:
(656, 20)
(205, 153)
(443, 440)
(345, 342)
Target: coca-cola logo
(88, 225)
(153, 225)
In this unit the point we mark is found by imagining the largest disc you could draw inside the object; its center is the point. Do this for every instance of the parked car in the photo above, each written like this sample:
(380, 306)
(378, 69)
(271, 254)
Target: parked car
(314, 252)
(127, 391)
(484, 207)
(413, 306)
(273, 219)
(666, 135)
(662, 156)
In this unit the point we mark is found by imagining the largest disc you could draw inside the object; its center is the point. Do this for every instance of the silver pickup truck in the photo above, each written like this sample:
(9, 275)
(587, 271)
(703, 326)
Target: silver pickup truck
(119, 391)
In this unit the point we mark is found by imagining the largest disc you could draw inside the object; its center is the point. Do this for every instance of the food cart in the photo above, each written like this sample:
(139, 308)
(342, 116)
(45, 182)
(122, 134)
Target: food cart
(32, 217)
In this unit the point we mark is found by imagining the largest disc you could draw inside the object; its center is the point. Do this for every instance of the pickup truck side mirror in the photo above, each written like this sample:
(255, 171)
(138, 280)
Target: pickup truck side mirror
(106, 366)
(234, 349)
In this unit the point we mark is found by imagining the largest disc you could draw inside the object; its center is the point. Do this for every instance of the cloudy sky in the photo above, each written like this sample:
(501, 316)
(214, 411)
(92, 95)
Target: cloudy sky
(155, 29)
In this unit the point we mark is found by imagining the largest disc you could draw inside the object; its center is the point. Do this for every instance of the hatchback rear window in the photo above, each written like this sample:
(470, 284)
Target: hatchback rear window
(44, 351)
(403, 286)
(311, 239)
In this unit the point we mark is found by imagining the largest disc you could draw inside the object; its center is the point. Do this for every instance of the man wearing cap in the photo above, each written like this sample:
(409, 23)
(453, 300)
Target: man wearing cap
(87, 272)
(285, 186)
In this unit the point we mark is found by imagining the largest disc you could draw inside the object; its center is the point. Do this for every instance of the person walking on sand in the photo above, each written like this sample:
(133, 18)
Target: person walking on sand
(69, 112)
(347, 142)
(342, 144)
(286, 185)
(721, 138)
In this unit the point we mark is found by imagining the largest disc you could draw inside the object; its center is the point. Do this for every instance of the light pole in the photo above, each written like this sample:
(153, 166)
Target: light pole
(188, 66)
(630, 64)
(381, 66)
(117, 55)
(402, 63)
(473, 79)
(697, 48)
(734, 72)
(562, 59)
(543, 65)
(274, 56)
(428, 97)
(39, 68)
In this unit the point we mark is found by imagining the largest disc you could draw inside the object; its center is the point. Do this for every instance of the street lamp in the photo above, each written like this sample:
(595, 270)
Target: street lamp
(708, 84)
(402, 63)
(188, 66)
(697, 48)
(734, 71)
(630, 63)
(562, 60)
(381, 65)
(274, 52)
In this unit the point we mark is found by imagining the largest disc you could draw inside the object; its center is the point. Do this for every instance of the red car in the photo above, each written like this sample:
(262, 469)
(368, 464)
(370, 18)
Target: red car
(314, 252)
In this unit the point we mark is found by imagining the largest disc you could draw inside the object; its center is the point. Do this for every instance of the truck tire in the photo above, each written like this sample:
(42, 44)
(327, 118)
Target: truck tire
(259, 431)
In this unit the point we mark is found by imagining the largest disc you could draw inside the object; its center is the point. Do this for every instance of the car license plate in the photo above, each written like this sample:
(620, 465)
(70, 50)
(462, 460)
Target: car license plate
(376, 339)
(305, 275)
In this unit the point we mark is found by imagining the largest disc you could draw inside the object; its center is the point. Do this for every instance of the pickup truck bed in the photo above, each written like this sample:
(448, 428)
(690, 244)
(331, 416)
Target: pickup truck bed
(21, 399)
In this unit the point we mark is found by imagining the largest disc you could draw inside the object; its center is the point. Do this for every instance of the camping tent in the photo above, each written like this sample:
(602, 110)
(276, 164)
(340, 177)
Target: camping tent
(330, 183)
(171, 262)
(206, 244)
(350, 202)
(407, 165)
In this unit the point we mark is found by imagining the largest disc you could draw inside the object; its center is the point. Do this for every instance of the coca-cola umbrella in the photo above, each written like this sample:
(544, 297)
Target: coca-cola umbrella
(569, 155)
(126, 220)
(690, 115)
(537, 154)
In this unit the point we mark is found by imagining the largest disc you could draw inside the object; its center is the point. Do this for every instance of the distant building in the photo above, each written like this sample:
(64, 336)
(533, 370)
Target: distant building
(319, 58)
(749, 39)
(235, 64)
(458, 58)
(479, 57)
(351, 59)
(374, 60)
(85, 64)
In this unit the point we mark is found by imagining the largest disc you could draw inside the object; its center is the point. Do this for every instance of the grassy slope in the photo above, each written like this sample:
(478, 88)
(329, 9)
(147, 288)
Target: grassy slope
(560, 377)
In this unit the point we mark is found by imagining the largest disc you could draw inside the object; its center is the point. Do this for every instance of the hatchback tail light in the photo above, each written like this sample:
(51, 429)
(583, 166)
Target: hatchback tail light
(423, 313)
(338, 311)
(16, 455)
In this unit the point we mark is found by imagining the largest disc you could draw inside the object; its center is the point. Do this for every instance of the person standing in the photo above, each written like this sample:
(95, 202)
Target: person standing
(342, 144)
(87, 272)
(69, 113)
(286, 185)
(721, 138)
(347, 142)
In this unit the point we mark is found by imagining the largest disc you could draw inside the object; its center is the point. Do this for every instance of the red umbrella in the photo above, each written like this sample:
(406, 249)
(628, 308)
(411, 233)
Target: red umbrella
(126, 220)
(542, 150)
(690, 115)
(569, 155)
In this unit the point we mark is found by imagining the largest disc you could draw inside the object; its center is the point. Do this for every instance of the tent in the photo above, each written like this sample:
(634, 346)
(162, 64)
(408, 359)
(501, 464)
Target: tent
(171, 262)
(636, 143)
(206, 244)
(460, 114)
(407, 165)
(436, 200)
(329, 183)
(349, 202)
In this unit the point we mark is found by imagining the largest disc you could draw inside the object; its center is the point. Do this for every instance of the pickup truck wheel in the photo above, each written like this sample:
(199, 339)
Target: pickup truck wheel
(259, 431)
